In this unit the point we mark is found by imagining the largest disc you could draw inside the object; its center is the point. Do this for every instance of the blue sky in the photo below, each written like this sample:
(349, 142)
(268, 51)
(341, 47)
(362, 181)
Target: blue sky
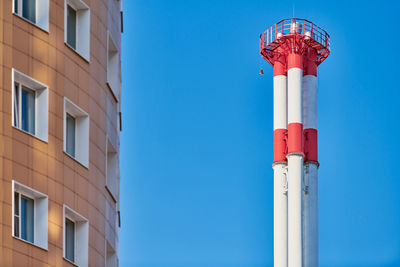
(197, 140)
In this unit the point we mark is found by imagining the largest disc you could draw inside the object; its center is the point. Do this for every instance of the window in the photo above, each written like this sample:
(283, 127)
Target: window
(24, 115)
(113, 73)
(77, 27)
(76, 237)
(76, 132)
(69, 239)
(70, 149)
(23, 220)
(71, 26)
(30, 215)
(112, 170)
(34, 11)
(30, 106)
(28, 8)
(111, 256)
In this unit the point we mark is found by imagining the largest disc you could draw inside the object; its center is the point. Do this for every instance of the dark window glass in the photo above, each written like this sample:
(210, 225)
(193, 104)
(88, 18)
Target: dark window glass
(70, 145)
(71, 26)
(16, 203)
(27, 218)
(28, 110)
(16, 214)
(16, 105)
(69, 240)
(16, 6)
(29, 10)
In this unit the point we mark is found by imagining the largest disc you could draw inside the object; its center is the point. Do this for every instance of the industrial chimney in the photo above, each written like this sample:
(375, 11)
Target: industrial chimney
(295, 47)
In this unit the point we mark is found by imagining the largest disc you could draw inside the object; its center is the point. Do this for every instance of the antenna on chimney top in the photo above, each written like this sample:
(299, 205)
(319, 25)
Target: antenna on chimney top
(293, 10)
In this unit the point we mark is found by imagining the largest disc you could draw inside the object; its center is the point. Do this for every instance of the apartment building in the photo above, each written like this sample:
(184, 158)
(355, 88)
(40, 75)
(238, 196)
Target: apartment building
(60, 123)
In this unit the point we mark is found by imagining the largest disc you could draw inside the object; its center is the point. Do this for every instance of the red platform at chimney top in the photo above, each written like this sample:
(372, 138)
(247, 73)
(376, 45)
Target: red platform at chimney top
(294, 35)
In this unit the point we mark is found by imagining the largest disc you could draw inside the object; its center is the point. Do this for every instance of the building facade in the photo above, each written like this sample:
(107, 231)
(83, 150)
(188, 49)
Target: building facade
(60, 122)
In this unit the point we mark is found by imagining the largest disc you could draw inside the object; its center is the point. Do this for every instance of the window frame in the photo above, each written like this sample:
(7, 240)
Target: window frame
(20, 10)
(82, 129)
(82, 28)
(76, 25)
(81, 247)
(114, 259)
(67, 114)
(41, 118)
(40, 228)
(112, 181)
(42, 8)
(18, 123)
(20, 196)
(65, 239)
(114, 83)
